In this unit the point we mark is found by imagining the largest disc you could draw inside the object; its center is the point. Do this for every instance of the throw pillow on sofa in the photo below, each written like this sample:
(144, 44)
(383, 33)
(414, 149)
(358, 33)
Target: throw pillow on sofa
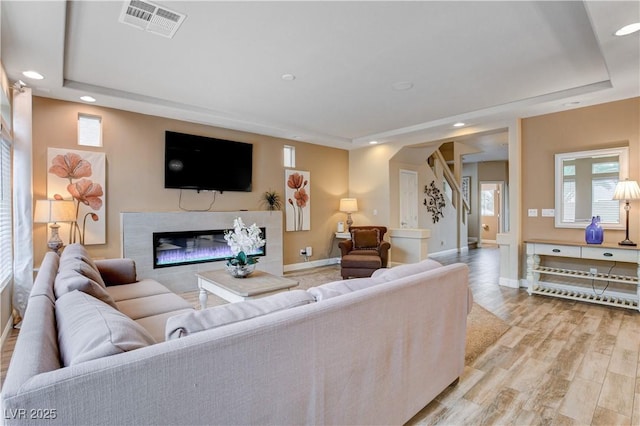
(338, 288)
(405, 270)
(78, 275)
(90, 329)
(74, 252)
(193, 322)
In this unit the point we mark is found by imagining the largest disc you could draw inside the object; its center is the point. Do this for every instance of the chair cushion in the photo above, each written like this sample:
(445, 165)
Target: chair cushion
(90, 329)
(367, 239)
(183, 325)
(361, 261)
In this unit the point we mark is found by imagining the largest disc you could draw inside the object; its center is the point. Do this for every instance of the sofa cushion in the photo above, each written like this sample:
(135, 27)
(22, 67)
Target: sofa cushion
(147, 306)
(76, 275)
(405, 270)
(90, 329)
(365, 239)
(338, 288)
(142, 288)
(157, 324)
(74, 252)
(183, 325)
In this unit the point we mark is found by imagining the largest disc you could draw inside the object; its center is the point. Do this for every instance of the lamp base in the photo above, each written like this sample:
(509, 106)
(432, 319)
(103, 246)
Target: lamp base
(55, 243)
(627, 243)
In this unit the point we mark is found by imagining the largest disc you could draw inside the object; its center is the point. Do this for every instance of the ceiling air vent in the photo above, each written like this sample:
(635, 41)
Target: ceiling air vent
(151, 17)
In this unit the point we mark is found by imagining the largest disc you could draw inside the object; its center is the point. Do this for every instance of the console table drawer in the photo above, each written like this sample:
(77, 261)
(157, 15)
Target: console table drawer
(557, 250)
(614, 255)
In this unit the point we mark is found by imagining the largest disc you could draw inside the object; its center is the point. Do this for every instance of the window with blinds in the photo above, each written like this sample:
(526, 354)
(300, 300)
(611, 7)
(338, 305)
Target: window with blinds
(6, 232)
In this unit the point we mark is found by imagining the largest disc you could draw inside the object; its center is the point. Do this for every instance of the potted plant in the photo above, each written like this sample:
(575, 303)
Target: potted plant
(243, 241)
(271, 199)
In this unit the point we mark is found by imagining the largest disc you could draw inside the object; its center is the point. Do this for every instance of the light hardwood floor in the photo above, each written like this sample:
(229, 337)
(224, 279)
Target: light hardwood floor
(562, 362)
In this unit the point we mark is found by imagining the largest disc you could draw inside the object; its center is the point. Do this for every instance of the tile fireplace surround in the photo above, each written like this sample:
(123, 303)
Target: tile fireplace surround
(137, 230)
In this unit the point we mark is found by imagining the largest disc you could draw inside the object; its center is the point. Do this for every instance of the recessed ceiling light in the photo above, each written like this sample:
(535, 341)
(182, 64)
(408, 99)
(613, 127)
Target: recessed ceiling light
(458, 124)
(288, 77)
(33, 74)
(373, 142)
(88, 98)
(628, 29)
(401, 86)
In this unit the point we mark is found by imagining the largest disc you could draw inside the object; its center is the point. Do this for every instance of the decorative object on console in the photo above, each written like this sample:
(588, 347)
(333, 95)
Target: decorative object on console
(272, 200)
(68, 174)
(627, 190)
(594, 234)
(297, 194)
(243, 242)
(434, 201)
(348, 206)
(53, 211)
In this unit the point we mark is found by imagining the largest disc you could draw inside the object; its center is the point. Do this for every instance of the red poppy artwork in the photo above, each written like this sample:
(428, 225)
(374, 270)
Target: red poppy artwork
(79, 176)
(297, 196)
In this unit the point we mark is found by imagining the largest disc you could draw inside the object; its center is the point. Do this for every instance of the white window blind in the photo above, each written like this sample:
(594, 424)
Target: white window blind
(6, 246)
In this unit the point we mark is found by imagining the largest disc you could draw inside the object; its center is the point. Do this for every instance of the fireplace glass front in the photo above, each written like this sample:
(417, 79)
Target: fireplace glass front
(188, 247)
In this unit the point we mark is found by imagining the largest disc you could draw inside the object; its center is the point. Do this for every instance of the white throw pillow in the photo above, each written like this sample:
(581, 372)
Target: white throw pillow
(405, 270)
(338, 288)
(193, 322)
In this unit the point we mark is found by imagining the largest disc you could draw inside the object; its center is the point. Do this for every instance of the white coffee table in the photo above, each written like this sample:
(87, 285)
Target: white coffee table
(258, 284)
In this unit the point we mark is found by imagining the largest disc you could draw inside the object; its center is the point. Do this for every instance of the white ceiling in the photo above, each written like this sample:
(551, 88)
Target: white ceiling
(471, 61)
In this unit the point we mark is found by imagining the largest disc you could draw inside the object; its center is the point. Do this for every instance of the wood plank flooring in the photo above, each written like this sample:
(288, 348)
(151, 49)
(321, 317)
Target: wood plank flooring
(561, 363)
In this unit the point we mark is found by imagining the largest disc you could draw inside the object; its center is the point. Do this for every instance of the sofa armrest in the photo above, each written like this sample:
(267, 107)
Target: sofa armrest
(345, 247)
(384, 253)
(117, 271)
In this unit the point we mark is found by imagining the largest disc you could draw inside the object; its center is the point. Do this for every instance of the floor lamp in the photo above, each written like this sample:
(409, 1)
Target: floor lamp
(54, 211)
(627, 190)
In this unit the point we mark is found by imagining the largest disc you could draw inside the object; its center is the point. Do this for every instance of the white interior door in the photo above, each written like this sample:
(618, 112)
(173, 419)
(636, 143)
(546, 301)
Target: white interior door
(408, 199)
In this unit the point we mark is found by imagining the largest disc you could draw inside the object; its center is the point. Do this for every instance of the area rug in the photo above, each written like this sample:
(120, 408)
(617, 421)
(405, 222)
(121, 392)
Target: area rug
(483, 330)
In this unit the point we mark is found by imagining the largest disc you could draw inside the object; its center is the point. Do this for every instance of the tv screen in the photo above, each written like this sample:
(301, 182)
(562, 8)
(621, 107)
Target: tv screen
(202, 163)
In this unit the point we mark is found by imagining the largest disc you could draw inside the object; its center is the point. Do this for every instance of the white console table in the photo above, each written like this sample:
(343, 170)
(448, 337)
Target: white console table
(593, 279)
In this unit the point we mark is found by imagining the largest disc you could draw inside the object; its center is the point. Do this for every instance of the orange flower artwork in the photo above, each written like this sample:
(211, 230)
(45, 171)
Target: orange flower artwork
(297, 194)
(79, 176)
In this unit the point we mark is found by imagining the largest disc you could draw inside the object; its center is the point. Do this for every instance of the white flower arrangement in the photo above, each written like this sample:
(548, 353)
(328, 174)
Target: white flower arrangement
(243, 241)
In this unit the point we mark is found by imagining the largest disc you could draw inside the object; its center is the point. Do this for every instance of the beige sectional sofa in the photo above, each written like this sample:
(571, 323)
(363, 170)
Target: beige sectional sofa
(364, 351)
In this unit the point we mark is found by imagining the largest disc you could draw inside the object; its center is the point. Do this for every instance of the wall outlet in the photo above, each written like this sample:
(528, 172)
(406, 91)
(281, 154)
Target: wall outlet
(593, 271)
(309, 251)
(533, 212)
(303, 252)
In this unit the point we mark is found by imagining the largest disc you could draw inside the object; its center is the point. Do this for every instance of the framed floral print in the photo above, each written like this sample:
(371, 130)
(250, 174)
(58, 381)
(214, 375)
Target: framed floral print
(79, 176)
(298, 200)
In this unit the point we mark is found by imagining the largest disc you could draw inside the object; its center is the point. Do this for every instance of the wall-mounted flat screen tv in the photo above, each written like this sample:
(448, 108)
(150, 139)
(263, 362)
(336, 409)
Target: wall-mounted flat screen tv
(203, 163)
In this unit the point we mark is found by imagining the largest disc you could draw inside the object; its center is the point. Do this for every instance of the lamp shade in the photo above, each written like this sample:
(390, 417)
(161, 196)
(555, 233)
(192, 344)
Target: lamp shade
(627, 190)
(51, 211)
(348, 205)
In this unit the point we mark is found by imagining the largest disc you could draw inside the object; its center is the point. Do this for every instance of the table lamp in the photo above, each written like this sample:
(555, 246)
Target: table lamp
(348, 206)
(53, 211)
(627, 190)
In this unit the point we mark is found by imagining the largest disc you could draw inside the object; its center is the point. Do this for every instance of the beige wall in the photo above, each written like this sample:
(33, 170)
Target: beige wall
(601, 126)
(134, 147)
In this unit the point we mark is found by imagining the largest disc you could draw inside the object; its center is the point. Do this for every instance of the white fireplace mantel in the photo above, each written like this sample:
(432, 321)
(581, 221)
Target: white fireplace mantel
(137, 230)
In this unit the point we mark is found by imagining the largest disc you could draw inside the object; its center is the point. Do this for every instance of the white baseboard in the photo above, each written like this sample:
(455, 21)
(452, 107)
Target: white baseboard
(311, 264)
(508, 282)
(464, 249)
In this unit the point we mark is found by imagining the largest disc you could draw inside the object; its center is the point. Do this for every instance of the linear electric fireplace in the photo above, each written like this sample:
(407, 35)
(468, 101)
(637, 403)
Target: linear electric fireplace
(188, 247)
